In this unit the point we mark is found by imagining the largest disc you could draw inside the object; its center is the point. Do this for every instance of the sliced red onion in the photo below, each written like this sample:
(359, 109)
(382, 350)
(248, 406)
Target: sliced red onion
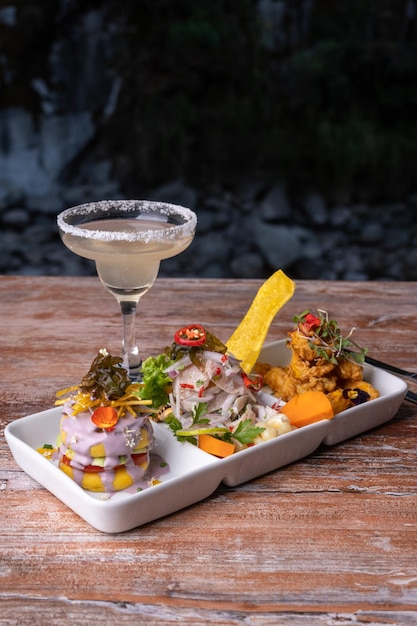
(265, 397)
(176, 368)
(213, 356)
(227, 405)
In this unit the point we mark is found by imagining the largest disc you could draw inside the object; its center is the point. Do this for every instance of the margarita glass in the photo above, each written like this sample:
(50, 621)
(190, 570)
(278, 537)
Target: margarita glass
(127, 239)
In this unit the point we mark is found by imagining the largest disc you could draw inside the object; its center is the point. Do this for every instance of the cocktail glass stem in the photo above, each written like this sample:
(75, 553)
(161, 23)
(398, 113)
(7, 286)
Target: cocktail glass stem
(130, 351)
(127, 239)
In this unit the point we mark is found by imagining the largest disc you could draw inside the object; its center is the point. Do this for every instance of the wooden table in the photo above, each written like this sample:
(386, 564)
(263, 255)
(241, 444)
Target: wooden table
(331, 539)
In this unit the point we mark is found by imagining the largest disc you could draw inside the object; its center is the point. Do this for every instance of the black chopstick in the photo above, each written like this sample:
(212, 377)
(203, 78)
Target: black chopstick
(411, 397)
(391, 368)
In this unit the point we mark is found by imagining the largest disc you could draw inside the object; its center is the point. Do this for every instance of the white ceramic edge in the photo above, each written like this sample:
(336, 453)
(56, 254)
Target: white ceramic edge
(123, 510)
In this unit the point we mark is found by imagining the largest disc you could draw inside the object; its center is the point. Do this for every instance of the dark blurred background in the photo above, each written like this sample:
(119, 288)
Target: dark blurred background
(289, 126)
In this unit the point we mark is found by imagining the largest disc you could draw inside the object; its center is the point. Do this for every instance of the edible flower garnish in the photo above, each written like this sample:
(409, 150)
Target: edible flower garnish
(310, 322)
(105, 417)
(326, 339)
(356, 395)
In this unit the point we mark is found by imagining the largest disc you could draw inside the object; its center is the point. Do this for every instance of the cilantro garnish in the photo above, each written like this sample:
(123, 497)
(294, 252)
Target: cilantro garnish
(197, 413)
(175, 425)
(245, 432)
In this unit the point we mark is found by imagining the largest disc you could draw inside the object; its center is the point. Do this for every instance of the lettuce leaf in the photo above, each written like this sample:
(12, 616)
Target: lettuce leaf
(156, 383)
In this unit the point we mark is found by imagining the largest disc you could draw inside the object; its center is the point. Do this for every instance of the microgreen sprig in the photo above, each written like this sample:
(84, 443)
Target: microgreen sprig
(326, 339)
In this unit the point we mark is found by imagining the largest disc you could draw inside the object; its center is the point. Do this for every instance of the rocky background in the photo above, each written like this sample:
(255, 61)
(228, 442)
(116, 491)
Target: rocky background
(289, 126)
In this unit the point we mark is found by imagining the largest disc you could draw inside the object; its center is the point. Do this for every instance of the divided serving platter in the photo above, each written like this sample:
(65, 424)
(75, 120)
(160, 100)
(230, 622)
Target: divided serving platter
(193, 475)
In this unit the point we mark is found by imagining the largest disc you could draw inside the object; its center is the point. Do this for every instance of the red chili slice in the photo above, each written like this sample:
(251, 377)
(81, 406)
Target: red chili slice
(252, 383)
(192, 335)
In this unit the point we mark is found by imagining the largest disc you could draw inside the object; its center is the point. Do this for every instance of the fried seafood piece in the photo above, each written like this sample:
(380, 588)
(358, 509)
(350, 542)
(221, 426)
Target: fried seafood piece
(280, 382)
(305, 361)
(301, 345)
(338, 401)
(363, 385)
(348, 370)
(285, 385)
(321, 360)
(305, 370)
(310, 370)
(262, 368)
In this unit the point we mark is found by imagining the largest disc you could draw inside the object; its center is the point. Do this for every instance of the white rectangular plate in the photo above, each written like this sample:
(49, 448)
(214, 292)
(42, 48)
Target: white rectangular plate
(193, 475)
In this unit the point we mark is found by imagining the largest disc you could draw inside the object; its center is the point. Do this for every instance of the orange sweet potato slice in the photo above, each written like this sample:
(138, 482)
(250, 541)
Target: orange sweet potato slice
(307, 408)
(215, 446)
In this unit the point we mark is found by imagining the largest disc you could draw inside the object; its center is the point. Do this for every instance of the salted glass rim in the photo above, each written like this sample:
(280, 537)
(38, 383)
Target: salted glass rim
(145, 206)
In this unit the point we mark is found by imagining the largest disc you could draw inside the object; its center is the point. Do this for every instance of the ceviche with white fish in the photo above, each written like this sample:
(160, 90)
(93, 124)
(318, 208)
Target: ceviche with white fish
(199, 390)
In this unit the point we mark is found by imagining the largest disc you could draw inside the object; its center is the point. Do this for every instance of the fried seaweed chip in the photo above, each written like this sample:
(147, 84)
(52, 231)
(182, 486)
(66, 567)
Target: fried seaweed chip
(247, 340)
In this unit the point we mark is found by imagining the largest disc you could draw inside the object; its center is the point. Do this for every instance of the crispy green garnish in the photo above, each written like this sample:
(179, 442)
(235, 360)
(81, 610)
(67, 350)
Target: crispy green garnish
(106, 378)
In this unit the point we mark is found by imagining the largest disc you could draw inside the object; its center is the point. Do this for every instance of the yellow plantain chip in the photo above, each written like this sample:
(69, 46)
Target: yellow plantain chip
(247, 340)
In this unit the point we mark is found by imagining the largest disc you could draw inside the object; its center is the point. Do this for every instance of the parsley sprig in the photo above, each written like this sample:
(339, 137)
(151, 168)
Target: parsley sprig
(245, 432)
(176, 427)
(198, 419)
(198, 412)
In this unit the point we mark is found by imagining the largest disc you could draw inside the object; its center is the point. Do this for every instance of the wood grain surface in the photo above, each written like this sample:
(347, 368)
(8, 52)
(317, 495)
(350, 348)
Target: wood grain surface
(331, 539)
